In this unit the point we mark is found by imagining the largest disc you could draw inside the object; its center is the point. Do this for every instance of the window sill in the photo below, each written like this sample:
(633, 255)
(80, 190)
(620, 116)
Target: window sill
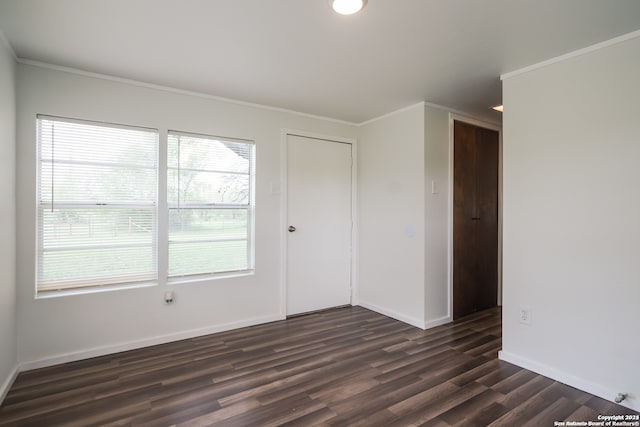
(93, 290)
(208, 277)
(120, 287)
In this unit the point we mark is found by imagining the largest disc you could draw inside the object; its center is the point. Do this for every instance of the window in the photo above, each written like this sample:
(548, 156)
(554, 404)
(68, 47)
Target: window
(209, 193)
(97, 192)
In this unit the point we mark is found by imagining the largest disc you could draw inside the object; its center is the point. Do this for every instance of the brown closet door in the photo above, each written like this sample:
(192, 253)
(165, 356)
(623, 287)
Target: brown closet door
(475, 219)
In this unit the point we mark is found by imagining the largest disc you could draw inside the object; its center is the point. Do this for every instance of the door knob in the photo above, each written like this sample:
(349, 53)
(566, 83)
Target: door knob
(291, 229)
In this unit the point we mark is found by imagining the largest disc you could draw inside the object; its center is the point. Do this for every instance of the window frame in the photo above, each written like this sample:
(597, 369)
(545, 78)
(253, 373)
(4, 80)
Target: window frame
(160, 213)
(44, 288)
(249, 207)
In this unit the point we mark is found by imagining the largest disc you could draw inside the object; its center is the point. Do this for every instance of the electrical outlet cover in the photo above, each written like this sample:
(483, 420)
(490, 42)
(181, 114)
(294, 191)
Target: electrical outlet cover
(525, 315)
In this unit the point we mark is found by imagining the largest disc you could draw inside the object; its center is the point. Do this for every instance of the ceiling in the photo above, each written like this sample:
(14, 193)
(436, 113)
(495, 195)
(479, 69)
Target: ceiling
(299, 55)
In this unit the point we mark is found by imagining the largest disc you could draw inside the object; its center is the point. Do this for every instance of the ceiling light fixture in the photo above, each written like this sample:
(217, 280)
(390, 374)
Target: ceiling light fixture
(347, 7)
(498, 108)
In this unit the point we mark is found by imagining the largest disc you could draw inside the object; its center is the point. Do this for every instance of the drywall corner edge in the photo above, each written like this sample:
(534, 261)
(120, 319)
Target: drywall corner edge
(393, 314)
(437, 322)
(4, 388)
(5, 41)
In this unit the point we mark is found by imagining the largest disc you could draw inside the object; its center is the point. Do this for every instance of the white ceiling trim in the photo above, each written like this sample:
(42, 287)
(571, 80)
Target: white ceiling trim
(464, 114)
(429, 104)
(393, 113)
(139, 83)
(575, 53)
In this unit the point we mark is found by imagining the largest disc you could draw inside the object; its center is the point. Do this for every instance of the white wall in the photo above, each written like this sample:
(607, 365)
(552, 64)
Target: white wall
(391, 207)
(8, 355)
(62, 328)
(404, 227)
(571, 220)
(437, 165)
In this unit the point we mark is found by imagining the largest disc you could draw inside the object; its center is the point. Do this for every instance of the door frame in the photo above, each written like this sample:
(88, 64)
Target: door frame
(281, 188)
(487, 125)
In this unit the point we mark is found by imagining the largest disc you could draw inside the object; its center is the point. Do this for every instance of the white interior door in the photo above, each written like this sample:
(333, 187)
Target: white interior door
(319, 228)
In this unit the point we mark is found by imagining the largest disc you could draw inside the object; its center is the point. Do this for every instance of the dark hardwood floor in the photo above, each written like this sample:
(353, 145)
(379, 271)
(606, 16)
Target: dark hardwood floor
(343, 367)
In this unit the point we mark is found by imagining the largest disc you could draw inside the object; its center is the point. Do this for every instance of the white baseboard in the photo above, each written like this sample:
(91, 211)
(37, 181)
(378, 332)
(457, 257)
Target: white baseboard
(568, 379)
(6, 385)
(437, 322)
(394, 315)
(132, 345)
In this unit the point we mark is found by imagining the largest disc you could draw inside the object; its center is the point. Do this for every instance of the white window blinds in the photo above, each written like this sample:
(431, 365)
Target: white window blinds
(210, 198)
(97, 192)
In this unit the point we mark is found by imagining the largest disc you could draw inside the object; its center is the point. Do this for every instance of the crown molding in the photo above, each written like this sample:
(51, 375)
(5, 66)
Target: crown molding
(170, 89)
(574, 54)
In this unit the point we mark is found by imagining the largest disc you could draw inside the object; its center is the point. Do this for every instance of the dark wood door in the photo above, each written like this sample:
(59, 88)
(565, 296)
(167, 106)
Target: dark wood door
(475, 219)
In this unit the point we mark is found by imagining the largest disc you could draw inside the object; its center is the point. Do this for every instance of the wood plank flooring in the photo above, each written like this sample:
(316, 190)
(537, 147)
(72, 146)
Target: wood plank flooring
(343, 367)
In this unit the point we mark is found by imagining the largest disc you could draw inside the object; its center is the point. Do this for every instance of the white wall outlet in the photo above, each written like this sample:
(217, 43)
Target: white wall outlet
(168, 297)
(525, 315)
